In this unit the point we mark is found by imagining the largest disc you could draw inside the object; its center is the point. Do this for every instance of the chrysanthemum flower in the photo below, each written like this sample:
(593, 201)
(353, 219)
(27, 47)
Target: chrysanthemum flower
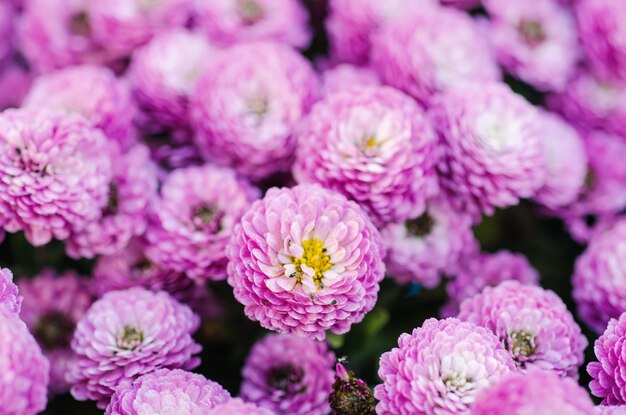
(599, 289)
(192, 221)
(603, 36)
(165, 72)
(346, 76)
(167, 392)
(290, 375)
(486, 270)
(126, 334)
(535, 41)
(23, 368)
(53, 304)
(431, 51)
(439, 369)
(492, 144)
(91, 91)
(238, 407)
(424, 248)
(305, 260)
(608, 379)
(244, 114)
(9, 294)
(535, 392)
(227, 22)
(54, 173)
(375, 146)
(533, 324)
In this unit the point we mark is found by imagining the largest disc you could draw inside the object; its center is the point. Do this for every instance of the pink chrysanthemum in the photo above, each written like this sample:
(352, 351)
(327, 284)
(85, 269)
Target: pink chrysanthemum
(566, 162)
(599, 289)
(592, 103)
(54, 173)
(91, 91)
(131, 190)
(486, 270)
(227, 22)
(424, 248)
(53, 304)
(123, 25)
(422, 56)
(290, 375)
(306, 260)
(535, 41)
(9, 294)
(535, 392)
(439, 369)
(375, 146)
(345, 76)
(191, 223)
(533, 324)
(238, 407)
(244, 114)
(492, 145)
(165, 72)
(608, 379)
(603, 36)
(126, 334)
(167, 392)
(23, 368)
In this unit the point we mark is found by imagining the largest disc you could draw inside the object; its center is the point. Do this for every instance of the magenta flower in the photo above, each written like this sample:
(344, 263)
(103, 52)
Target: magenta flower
(345, 76)
(191, 223)
(439, 58)
(238, 407)
(533, 324)
(164, 73)
(426, 247)
(375, 146)
(167, 391)
(54, 173)
(537, 42)
(91, 91)
(535, 392)
(439, 368)
(126, 334)
(244, 114)
(566, 163)
(53, 304)
(600, 23)
(599, 289)
(608, 372)
(493, 154)
(486, 270)
(305, 260)
(9, 294)
(227, 22)
(290, 375)
(23, 368)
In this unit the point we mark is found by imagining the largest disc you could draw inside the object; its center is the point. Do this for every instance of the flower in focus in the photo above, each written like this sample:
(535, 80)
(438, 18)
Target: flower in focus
(167, 391)
(290, 375)
(424, 248)
(23, 368)
(422, 55)
(492, 145)
(607, 372)
(534, 392)
(53, 304)
(238, 407)
(192, 221)
(126, 334)
(227, 22)
(375, 146)
(54, 173)
(244, 114)
(440, 368)
(533, 324)
(9, 294)
(305, 260)
(345, 76)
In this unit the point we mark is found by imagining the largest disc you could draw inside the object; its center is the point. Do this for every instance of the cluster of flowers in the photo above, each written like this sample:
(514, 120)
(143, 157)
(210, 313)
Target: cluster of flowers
(144, 134)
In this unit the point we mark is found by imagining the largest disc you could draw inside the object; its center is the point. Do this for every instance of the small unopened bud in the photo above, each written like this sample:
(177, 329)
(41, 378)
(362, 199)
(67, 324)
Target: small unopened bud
(351, 396)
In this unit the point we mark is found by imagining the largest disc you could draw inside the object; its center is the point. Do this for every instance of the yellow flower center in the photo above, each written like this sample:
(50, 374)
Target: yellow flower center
(314, 257)
(371, 142)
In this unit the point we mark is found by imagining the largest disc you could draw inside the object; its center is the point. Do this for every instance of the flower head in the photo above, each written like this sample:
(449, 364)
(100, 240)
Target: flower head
(607, 372)
(9, 293)
(351, 395)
